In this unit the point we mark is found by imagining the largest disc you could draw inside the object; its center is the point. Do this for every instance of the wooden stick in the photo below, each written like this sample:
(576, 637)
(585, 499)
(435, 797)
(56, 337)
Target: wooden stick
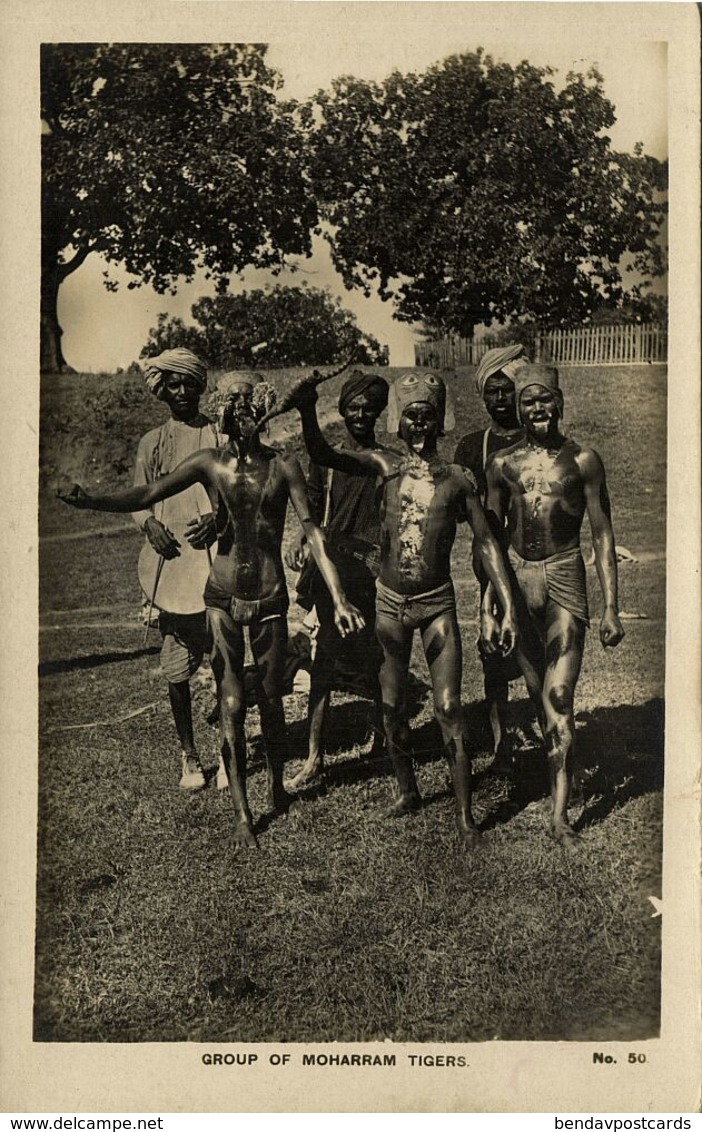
(159, 568)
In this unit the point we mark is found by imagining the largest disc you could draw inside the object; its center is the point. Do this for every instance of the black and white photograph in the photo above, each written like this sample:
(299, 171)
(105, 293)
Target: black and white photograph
(355, 549)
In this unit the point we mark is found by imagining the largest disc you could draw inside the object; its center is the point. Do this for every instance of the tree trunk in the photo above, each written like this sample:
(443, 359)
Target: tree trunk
(51, 359)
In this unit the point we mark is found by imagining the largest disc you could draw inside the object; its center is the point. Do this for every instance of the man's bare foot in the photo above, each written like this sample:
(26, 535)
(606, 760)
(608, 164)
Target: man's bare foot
(311, 773)
(565, 836)
(468, 832)
(191, 777)
(244, 835)
(405, 804)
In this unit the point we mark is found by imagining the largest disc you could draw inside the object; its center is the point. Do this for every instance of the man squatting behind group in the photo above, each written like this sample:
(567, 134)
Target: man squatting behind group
(538, 493)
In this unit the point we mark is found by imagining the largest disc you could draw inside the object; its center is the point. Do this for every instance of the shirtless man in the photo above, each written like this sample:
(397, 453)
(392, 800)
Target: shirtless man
(494, 384)
(249, 485)
(543, 486)
(422, 499)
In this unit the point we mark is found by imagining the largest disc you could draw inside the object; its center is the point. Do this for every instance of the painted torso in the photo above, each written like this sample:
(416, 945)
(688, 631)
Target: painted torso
(418, 517)
(253, 496)
(545, 501)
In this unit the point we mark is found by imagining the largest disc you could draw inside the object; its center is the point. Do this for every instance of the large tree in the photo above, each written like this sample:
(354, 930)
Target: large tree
(163, 158)
(479, 192)
(278, 326)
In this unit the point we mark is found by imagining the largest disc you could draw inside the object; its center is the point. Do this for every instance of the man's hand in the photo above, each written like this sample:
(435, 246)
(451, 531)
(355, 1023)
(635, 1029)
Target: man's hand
(611, 629)
(347, 618)
(489, 632)
(161, 539)
(75, 496)
(201, 532)
(297, 553)
(509, 634)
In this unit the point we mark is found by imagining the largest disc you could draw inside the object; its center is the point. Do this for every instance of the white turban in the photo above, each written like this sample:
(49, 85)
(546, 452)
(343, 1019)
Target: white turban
(180, 361)
(505, 358)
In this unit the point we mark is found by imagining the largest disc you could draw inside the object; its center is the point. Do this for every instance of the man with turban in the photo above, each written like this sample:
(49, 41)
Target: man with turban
(346, 506)
(174, 527)
(542, 487)
(494, 382)
(422, 500)
(249, 485)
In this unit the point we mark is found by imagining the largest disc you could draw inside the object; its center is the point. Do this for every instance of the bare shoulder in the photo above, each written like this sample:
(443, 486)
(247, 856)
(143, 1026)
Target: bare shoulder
(464, 479)
(588, 460)
(286, 460)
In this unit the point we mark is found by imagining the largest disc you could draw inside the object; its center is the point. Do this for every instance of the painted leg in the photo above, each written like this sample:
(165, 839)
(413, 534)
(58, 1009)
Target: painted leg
(564, 650)
(442, 647)
(396, 643)
(228, 669)
(268, 644)
(313, 769)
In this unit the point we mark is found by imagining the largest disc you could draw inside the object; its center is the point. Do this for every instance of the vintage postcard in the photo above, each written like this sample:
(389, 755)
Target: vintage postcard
(246, 864)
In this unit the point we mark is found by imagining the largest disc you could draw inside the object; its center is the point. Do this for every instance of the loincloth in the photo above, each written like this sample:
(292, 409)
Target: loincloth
(415, 610)
(560, 578)
(242, 611)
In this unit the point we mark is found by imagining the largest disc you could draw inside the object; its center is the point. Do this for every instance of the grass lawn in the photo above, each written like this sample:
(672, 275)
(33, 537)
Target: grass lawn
(151, 927)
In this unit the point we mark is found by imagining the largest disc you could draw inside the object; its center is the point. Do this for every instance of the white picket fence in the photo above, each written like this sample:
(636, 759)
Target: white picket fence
(623, 345)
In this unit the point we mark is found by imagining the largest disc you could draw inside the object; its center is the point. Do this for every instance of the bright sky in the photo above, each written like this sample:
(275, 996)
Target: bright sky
(315, 44)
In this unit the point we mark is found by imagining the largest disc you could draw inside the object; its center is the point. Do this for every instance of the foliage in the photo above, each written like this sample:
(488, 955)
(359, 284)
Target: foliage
(276, 326)
(477, 192)
(163, 157)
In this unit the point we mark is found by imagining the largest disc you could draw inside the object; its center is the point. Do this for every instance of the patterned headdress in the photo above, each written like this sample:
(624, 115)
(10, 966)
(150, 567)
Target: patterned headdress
(413, 387)
(544, 376)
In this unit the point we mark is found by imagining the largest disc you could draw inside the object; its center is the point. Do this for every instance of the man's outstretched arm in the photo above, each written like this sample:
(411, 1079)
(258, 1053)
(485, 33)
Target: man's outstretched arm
(192, 470)
(599, 513)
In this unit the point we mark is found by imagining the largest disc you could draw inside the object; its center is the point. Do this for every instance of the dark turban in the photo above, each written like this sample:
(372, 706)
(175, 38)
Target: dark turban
(374, 387)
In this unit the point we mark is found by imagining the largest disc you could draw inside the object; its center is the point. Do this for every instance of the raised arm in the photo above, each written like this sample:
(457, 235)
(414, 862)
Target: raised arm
(346, 617)
(599, 513)
(194, 469)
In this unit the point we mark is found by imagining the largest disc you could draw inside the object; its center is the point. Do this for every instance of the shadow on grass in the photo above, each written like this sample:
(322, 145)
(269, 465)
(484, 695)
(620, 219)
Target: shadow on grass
(94, 660)
(619, 756)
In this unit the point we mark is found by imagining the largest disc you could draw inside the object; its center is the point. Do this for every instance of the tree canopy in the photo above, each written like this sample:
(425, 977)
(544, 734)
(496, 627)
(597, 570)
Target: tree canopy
(163, 158)
(279, 326)
(477, 192)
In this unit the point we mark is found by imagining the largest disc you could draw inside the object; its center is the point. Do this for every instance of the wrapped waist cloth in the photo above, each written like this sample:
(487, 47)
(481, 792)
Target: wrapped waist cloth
(560, 578)
(415, 610)
(242, 611)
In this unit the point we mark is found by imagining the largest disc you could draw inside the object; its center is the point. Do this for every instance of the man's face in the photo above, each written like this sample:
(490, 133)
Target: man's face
(360, 416)
(241, 416)
(182, 395)
(539, 409)
(500, 399)
(419, 426)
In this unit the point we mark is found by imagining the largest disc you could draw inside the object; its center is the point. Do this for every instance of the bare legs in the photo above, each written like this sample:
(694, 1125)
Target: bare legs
(268, 646)
(551, 667)
(442, 647)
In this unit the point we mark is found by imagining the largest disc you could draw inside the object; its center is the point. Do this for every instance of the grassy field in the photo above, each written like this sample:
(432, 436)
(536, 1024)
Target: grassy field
(151, 927)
